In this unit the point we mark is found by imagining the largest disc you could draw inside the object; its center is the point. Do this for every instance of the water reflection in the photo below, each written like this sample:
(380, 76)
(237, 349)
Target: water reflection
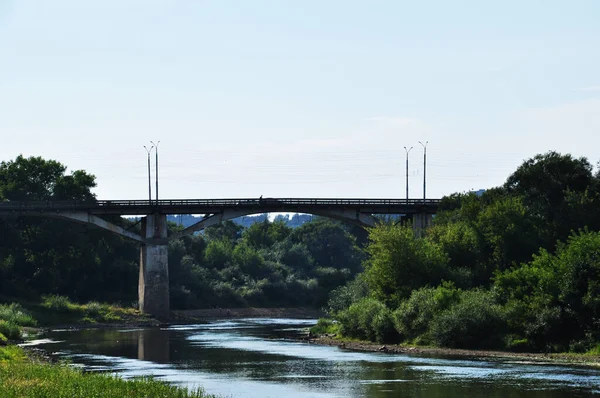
(153, 345)
(258, 358)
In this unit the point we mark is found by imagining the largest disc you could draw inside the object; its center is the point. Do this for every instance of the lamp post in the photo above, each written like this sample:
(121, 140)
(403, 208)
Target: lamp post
(424, 167)
(149, 183)
(156, 165)
(407, 151)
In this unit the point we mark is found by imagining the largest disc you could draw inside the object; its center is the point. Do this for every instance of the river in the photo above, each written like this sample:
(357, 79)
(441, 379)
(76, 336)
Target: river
(264, 358)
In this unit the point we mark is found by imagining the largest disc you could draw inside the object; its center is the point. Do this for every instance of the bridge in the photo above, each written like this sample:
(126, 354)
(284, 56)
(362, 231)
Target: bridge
(153, 288)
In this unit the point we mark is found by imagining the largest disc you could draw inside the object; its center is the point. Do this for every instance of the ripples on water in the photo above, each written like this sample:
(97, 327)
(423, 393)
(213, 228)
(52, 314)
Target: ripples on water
(262, 358)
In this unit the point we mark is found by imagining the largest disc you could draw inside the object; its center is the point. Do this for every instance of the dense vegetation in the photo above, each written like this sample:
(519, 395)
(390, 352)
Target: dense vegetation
(517, 267)
(265, 264)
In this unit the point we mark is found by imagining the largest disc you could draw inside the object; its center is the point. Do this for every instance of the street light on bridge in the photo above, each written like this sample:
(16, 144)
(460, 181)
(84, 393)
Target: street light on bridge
(424, 166)
(156, 165)
(149, 182)
(407, 151)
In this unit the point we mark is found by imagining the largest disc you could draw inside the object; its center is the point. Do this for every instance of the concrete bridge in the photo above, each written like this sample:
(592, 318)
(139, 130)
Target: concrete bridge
(153, 288)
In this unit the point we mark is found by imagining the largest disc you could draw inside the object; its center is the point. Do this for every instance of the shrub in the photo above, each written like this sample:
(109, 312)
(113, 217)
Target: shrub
(413, 317)
(58, 303)
(325, 326)
(16, 314)
(368, 319)
(93, 309)
(383, 325)
(342, 297)
(10, 330)
(475, 322)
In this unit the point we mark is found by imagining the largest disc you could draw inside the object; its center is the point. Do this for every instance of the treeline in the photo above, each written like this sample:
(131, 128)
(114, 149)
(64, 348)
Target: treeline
(265, 264)
(294, 220)
(515, 268)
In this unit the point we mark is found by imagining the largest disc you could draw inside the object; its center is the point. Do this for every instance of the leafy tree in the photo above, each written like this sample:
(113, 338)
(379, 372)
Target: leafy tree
(225, 230)
(35, 178)
(265, 234)
(545, 182)
(329, 244)
(400, 262)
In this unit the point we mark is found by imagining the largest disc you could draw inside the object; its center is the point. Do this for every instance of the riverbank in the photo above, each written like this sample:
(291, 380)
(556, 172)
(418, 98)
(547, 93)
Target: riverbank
(554, 358)
(25, 376)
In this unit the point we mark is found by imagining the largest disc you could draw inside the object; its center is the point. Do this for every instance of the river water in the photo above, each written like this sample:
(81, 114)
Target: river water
(264, 358)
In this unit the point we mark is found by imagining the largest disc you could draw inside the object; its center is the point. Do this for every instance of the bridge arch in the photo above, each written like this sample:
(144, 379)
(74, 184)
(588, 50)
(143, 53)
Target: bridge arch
(354, 217)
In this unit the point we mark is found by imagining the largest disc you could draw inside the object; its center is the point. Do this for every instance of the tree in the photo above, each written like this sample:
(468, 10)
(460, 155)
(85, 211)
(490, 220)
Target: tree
(266, 233)
(545, 183)
(35, 178)
(225, 230)
(329, 244)
(400, 262)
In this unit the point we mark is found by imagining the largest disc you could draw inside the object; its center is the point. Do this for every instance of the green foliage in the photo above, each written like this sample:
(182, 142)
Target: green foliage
(10, 330)
(16, 314)
(11, 353)
(474, 322)
(325, 326)
(401, 262)
(22, 378)
(218, 253)
(413, 317)
(553, 300)
(60, 304)
(346, 295)
(34, 178)
(367, 319)
(265, 234)
(329, 244)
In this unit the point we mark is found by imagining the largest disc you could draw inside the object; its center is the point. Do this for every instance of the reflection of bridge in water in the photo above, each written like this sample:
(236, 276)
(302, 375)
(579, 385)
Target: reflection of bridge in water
(153, 287)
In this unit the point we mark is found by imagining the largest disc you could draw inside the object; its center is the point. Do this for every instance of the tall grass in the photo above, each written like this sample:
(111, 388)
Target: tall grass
(10, 330)
(16, 314)
(20, 378)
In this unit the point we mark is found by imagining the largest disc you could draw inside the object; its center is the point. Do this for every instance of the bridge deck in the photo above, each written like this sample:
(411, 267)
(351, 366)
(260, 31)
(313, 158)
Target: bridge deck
(211, 206)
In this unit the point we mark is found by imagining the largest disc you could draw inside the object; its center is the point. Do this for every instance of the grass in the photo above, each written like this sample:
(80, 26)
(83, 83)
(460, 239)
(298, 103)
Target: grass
(21, 377)
(16, 314)
(55, 309)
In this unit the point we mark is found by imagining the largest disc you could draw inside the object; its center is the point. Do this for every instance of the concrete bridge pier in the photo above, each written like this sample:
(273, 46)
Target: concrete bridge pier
(420, 222)
(153, 287)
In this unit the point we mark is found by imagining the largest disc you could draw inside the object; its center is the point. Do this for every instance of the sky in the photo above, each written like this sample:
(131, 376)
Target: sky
(311, 98)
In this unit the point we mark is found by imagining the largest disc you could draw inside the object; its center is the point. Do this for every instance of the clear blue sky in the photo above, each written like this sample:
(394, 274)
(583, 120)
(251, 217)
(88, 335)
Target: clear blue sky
(298, 99)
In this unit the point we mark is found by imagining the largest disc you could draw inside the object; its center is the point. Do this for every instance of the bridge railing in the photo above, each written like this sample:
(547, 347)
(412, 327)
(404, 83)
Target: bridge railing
(259, 202)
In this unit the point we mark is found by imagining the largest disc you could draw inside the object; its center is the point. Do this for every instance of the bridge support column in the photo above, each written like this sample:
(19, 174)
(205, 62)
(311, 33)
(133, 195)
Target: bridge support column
(420, 222)
(153, 288)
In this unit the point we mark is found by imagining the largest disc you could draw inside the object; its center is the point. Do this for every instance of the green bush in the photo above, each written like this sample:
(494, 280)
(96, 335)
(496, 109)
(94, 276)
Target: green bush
(325, 326)
(475, 322)
(413, 317)
(368, 319)
(58, 303)
(383, 325)
(93, 309)
(16, 314)
(10, 330)
(3, 339)
(342, 297)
